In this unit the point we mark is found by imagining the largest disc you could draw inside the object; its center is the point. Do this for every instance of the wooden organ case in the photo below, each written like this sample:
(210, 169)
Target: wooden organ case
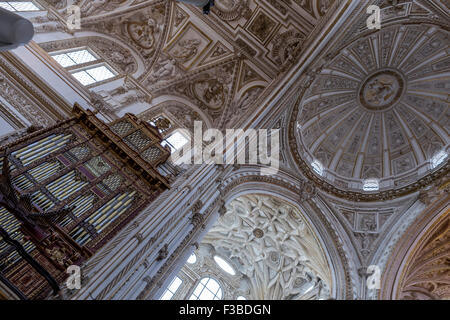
(65, 191)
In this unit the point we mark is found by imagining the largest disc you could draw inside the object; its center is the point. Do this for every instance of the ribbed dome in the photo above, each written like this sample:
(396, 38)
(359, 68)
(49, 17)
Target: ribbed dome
(379, 109)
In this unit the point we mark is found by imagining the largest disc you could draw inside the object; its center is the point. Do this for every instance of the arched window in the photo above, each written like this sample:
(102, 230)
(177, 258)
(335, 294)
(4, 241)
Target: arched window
(371, 185)
(207, 289)
(84, 65)
(74, 57)
(317, 167)
(438, 158)
(192, 259)
(225, 266)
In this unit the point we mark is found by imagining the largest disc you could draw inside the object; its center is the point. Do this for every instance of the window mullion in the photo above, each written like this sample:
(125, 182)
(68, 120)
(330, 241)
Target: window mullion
(87, 71)
(84, 66)
(75, 63)
(9, 7)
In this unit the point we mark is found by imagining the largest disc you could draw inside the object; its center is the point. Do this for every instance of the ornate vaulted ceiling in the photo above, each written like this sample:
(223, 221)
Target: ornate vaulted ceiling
(428, 268)
(273, 247)
(376, 106)
(379, 109)
(373, 104)
(215, 66)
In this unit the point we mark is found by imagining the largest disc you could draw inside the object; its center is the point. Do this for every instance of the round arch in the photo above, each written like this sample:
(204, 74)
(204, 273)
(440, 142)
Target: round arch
(341, 287)
(200, 282)
(250, 86)
(170, 103)
(125, 57)
(417, 266)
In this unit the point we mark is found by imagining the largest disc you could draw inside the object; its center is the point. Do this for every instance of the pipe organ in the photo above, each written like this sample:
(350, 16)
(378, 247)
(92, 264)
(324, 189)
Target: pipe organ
(65, 191)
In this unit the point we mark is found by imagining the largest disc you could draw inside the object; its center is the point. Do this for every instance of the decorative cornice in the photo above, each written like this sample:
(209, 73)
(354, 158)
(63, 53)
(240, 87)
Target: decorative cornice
(41, 93)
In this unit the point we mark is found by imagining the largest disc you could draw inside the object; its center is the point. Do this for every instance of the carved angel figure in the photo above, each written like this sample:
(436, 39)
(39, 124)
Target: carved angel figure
(163, 70)
(187, 49)
(94, 6)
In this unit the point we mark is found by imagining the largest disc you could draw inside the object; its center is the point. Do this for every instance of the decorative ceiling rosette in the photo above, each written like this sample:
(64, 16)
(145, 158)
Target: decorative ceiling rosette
(211, 92)
(230, 10)
(287, 46)
(377, 110)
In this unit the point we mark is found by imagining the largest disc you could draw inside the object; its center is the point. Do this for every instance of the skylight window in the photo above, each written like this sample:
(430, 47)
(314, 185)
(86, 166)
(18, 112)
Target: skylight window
(192, 259)
(93, 75)
(170, 291)
(19, 6)
(225, 266)
(371, 185)
(438, 159)
(74, 58)
(85, 74)
(176, 141)
(317, 167)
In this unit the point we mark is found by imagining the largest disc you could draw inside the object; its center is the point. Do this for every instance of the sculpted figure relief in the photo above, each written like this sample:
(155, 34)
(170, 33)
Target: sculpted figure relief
(143, 33)
(125, 95)
(163, 69)
(187, 49)
(97, 6)
(126, 62)
(211, 92)
(382, 90)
